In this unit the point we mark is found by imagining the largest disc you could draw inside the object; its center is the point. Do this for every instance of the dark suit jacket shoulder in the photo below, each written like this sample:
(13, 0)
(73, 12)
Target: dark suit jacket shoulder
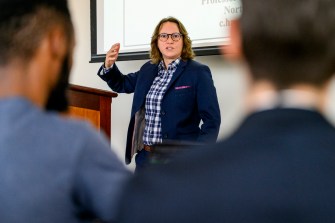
(279, 166)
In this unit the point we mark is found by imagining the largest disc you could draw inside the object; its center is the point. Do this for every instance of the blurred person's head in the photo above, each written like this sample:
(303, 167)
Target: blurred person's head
(287, 43)
(36, 46)
(160, 47)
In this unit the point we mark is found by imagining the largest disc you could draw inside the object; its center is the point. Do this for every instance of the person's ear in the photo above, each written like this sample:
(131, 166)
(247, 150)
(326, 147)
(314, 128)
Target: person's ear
(58, 44)
(234, 49)
(54, 53)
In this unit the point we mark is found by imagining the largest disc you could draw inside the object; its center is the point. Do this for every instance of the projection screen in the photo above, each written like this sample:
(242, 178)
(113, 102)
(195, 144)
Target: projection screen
(132, 22)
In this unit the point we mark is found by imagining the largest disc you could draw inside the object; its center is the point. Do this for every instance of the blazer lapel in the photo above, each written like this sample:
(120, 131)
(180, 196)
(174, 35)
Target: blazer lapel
(177, 73)
(147, 78)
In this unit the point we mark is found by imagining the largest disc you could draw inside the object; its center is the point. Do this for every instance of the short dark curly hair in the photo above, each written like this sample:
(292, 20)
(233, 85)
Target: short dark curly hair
(21, 34)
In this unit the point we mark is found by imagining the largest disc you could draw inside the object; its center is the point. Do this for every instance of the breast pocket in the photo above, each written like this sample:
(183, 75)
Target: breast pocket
(184, 96)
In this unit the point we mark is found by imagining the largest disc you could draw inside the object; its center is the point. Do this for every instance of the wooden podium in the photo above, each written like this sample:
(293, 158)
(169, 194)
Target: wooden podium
(93, 105)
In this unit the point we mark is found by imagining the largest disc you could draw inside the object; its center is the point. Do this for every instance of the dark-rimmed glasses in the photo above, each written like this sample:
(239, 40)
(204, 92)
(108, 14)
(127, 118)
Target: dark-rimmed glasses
(165, 36)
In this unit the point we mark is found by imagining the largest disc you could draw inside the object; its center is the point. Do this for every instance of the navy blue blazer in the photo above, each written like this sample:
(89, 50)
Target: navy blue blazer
(189, 99)
(279, 166)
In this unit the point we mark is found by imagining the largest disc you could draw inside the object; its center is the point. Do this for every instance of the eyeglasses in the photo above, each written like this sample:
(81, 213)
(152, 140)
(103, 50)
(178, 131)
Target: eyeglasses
(174, 36)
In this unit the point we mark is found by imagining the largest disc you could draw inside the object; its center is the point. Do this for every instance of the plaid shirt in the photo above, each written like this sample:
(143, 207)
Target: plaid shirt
(153, 130)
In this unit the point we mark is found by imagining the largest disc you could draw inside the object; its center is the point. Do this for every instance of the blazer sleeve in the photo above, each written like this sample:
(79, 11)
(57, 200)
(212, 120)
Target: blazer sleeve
(208, 106)
(117, 81)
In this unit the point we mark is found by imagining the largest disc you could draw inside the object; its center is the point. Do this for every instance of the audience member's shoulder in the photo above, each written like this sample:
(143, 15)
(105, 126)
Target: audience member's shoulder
(76, 128)
(188, 159)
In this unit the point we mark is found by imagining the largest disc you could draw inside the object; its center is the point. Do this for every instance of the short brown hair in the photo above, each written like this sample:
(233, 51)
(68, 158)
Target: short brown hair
(289, 42)
(187, 52)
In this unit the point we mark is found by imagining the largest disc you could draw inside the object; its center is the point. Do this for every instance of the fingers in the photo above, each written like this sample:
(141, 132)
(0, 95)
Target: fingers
(112, 55)
(115, 48)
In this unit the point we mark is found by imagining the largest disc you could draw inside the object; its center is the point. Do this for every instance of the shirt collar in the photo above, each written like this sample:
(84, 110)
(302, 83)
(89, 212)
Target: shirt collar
(173, 64)
(284, 99)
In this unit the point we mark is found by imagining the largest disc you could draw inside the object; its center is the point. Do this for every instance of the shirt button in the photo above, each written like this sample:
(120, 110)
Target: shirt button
(165, 136)
(162, 112)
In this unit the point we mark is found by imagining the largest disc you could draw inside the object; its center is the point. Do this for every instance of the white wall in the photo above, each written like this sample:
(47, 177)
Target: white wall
(229, 80)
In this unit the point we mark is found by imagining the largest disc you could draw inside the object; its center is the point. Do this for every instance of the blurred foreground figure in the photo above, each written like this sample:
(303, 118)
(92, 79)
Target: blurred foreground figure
(52, 169)
(279, 165)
